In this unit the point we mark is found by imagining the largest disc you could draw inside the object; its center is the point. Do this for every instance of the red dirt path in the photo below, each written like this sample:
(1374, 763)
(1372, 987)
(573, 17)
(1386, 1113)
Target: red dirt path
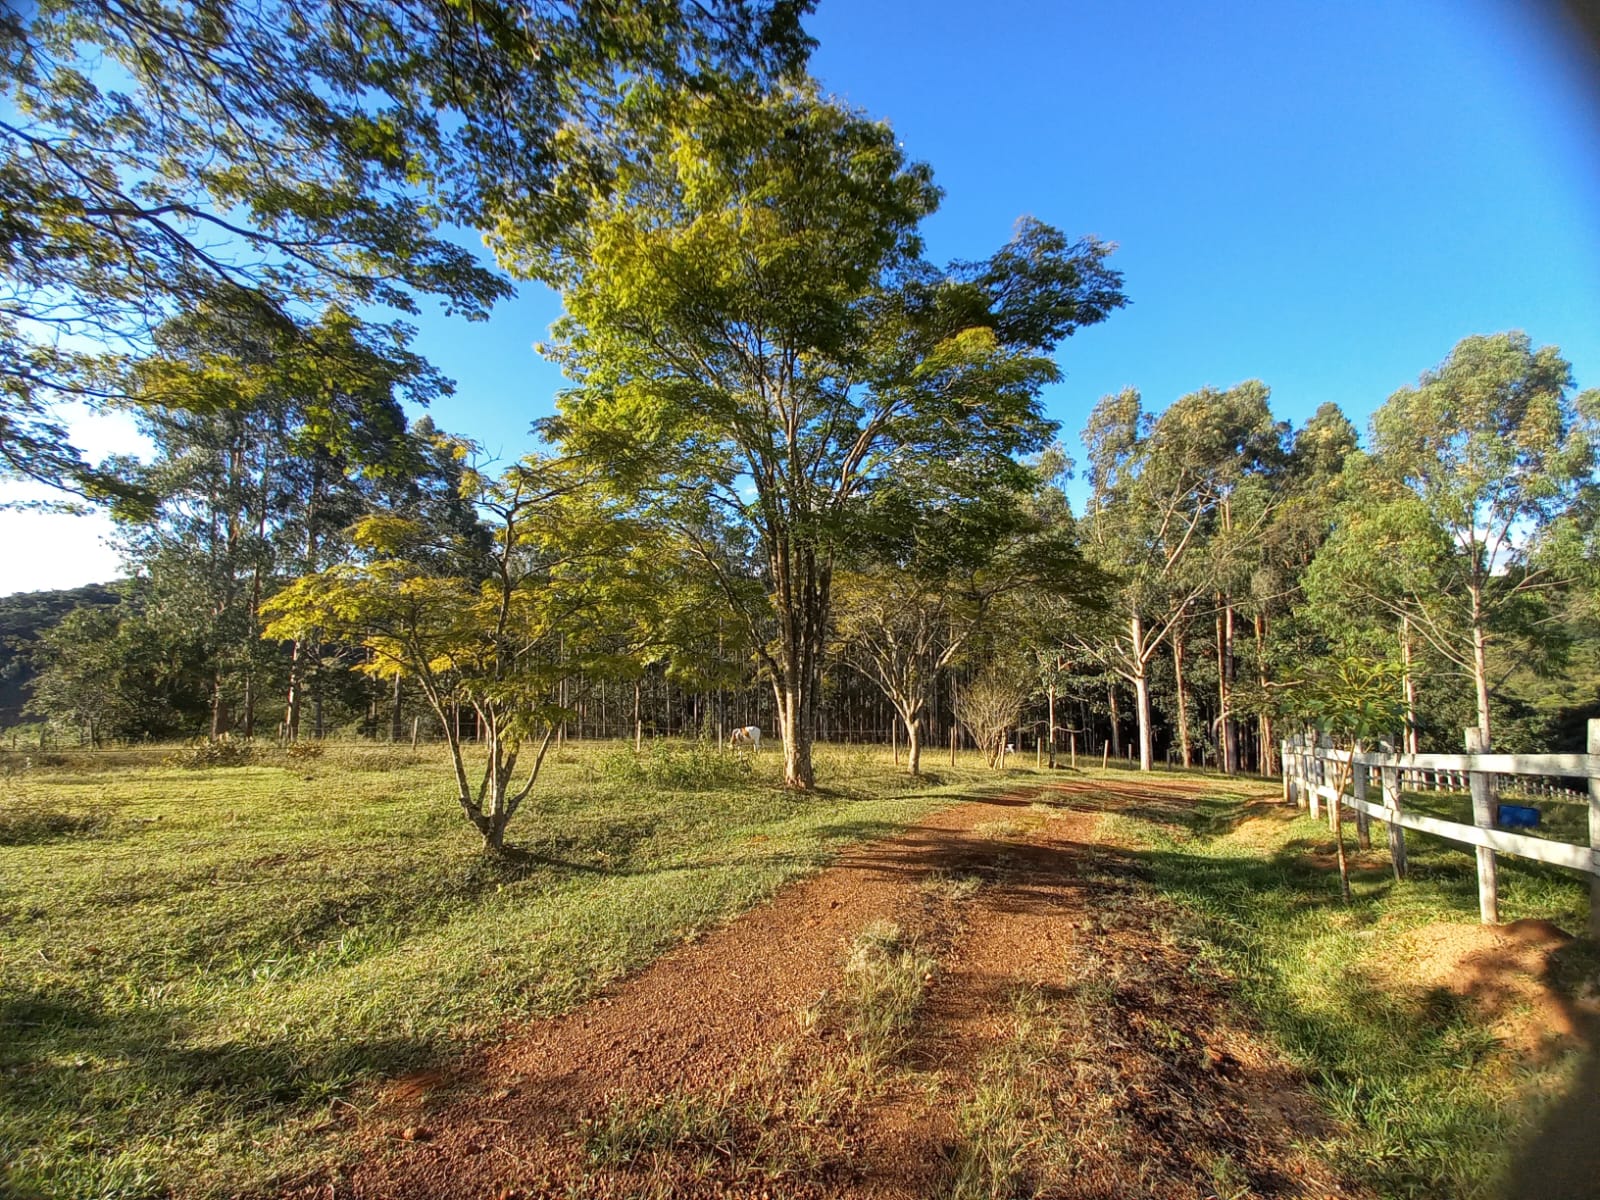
(1151, 1087)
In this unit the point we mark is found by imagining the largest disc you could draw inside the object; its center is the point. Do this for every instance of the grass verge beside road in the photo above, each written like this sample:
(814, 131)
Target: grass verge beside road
(1432, 1096)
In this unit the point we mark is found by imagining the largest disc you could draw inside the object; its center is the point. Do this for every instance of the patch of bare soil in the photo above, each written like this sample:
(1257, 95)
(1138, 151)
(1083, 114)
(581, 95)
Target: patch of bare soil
(1057, 1044)
(1506, 970)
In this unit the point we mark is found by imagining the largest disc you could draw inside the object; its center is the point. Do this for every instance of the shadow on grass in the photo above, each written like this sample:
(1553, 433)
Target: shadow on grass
(81, 1076)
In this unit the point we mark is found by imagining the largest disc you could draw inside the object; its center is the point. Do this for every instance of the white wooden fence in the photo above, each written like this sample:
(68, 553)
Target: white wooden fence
(1311, 769)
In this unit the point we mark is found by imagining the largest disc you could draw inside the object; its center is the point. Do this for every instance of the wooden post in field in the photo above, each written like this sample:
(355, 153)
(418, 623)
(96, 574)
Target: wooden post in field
(894, 740)
(1358, 789)
(952, 745)
(1283, 757)
(1105, 755)
(415, 723)
(1483, 818)
(1072, 741)
(1594, 829)
(1397, 834)
(1038, 755)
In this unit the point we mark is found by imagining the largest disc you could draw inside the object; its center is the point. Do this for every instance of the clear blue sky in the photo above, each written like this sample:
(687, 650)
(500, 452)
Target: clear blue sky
(1323, 196)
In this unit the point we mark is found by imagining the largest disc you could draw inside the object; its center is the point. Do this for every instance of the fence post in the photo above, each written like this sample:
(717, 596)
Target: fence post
(1483, 818)
(1283, 758)
(1397, 831)
(1358, 789)
(1296, 772)
(1594, 829)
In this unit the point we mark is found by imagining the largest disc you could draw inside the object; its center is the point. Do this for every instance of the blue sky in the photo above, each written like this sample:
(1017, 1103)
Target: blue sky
(1325, 197)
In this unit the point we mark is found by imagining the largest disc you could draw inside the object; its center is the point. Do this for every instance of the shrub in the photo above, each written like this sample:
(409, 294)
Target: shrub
(678, 766)
(202, 754)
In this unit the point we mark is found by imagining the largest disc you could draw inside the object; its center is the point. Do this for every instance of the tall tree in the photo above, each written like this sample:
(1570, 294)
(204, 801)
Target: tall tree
(760, 348)
(1160, 491)
(940, 575)
(269, 437)
(1443, 526)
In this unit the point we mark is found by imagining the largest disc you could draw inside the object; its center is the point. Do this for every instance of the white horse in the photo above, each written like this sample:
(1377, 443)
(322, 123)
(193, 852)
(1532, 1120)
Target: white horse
(746, 735)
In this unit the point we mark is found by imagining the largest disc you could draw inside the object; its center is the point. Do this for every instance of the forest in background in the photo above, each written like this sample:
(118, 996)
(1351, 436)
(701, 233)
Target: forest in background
(148, 657)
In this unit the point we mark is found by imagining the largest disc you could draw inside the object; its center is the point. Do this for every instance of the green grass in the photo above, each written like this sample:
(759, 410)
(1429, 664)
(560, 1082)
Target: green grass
(1429, 1101)
(198, 966)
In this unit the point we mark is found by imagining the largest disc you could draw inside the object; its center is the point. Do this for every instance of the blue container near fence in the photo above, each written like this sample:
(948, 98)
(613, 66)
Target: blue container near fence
(1516, 816)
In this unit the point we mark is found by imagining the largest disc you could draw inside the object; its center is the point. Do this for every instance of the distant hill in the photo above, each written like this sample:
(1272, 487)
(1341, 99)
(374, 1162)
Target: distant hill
(23, 617)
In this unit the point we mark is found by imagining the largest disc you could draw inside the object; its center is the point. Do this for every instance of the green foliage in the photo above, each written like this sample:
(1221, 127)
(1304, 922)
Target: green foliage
(745, 301)
(24, 616)
(1461, 522)
(675, 765)
(162, 156)
(1353, 698)
(564, 591)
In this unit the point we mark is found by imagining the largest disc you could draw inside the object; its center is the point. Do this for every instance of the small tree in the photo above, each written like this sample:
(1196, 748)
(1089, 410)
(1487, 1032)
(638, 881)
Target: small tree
(493, 636)
(990, 704)
(1358, 700)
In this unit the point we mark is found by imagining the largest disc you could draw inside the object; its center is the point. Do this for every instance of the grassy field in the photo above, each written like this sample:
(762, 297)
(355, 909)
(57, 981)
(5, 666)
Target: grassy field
(1431, 1102)
(199, 966)
(196, 964)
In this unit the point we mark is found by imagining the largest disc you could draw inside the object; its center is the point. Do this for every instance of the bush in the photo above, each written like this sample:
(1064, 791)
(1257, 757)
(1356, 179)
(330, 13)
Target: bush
(202, 754)
(678, 766)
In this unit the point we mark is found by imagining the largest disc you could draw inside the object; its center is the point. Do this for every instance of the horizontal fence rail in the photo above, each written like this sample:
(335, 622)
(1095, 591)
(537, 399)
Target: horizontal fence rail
(1311, 771)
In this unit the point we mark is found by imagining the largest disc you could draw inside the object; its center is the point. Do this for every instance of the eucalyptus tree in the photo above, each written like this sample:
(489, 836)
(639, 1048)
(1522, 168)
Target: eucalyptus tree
(1227, 443)
(759, 348)
(1306, 494)
(1445, 526)
(159, 156)
(1160, 489)
(269, 437)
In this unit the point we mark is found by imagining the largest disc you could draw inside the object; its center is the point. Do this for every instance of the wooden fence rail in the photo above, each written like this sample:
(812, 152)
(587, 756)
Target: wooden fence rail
(1310, 769)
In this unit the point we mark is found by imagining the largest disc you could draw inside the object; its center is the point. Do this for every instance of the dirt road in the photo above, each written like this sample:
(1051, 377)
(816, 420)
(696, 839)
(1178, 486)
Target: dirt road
(1054, 1042)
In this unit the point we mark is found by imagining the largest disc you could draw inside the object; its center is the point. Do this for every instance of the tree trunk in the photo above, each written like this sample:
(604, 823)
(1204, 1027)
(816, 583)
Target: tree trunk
(1412, 742)
(1269, 744)
(1141, 694)
(797, 769)
(1052, 721)
(248, 725)
(1480, 664)
(219, 708)
(396, 727)
(291, 712)
(1116, 733)
(1185, 746)
(1227, 729)
(914, 745)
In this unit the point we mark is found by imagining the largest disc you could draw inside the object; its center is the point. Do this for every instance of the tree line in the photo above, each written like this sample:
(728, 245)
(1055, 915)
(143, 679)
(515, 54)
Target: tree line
(799, 470)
